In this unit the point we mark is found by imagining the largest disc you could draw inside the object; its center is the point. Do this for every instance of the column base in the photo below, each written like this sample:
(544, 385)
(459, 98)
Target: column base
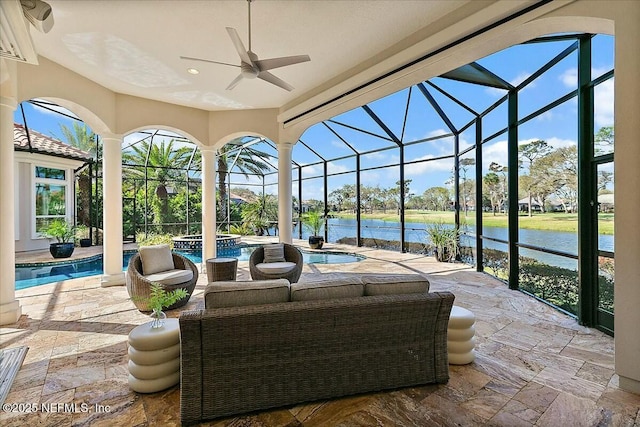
(112, 280)
(629, 384)
(10, 312)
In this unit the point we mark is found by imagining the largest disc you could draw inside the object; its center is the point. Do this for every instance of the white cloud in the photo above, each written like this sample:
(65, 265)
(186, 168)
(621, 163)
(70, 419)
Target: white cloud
(53, 109)
(334, 168)
(496, 152)
(547, 116)
(522, 77)
(560, 143)
(603, 103)
(495, 92)
(569, 78)
(442, 165)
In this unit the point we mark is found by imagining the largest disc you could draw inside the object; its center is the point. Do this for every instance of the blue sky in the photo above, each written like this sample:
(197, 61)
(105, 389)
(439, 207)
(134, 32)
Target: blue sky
(515, 64)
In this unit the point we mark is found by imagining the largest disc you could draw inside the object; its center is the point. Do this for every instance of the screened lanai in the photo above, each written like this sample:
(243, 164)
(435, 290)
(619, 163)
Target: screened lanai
(517, 164)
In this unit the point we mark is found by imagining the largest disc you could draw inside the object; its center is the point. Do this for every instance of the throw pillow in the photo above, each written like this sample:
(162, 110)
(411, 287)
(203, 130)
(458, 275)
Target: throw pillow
(155, 259)
(274, 253)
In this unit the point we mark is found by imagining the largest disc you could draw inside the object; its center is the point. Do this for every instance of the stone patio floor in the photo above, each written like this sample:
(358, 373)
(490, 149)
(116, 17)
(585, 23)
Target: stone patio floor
(534, 365)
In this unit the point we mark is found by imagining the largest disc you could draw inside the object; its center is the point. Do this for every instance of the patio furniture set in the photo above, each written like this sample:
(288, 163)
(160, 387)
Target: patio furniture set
(282, 339)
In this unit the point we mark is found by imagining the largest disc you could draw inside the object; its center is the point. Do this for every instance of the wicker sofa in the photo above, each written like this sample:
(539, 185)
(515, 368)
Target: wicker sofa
(316, 339)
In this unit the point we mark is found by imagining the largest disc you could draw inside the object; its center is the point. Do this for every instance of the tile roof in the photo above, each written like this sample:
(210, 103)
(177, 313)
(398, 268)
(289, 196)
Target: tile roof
(44, 144)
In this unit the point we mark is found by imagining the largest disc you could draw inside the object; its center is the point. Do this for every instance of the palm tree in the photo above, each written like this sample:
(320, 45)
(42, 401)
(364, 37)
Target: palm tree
(83, 138)
(239, 155)
(161, 163)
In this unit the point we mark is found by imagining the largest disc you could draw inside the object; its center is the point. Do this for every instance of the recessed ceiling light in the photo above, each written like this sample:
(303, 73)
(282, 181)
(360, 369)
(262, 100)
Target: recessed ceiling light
(192, 71)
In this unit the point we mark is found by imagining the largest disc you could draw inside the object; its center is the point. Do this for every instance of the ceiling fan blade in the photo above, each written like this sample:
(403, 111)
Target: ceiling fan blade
(244, 56)
(235, 82)
(208, 60)
(268, 77)
(269, 64)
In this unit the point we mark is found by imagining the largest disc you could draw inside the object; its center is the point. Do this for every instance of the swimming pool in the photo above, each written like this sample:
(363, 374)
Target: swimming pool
(28, 275)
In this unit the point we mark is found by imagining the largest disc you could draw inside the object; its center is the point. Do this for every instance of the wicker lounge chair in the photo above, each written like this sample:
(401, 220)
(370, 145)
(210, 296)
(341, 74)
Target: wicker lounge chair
(290, 269)
(139, 283)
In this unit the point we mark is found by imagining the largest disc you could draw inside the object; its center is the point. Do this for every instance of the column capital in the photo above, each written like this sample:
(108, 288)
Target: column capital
(285, 145)
(114, 136)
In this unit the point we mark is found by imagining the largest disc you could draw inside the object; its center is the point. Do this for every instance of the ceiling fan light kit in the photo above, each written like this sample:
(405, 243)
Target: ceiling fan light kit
(250, 65)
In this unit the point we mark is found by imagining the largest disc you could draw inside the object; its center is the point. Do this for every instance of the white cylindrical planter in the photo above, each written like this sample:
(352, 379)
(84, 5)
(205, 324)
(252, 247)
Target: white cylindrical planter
(460, 336)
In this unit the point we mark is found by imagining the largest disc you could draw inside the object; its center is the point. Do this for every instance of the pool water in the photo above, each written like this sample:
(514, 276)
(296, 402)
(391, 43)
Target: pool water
(41, 274)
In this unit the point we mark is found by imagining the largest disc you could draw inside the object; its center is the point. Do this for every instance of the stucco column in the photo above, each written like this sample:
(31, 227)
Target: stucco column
(285, 197)
(627, 198)
(112, 210)
(10, 309)
(208, 203)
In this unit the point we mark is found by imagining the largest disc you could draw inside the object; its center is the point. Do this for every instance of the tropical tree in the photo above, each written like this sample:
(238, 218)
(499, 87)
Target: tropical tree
(161, 163)
(260, 214)
(80, 136)
(237, 155)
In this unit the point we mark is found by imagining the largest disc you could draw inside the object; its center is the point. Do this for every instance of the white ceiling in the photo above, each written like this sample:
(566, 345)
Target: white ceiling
(133, 46)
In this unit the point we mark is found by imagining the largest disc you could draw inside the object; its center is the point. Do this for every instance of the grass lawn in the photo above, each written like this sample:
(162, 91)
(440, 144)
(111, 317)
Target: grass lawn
(554, 221)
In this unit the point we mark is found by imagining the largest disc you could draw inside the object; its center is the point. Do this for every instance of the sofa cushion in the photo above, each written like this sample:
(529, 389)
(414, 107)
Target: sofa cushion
(393, 284)
(336, 277)
(235, 294)
(326, 290)
(276, 267)
(274, 253)
(171, 277)
(156, 258)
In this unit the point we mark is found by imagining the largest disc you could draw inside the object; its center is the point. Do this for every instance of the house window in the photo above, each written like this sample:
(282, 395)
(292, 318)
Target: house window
(51, 189)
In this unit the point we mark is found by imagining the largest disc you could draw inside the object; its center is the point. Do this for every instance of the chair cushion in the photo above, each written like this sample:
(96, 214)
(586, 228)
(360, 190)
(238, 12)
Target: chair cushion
(155, 258)
(274, 253)
(325, 290)
(276, 267)
(235, 294)
(393, 284)
(171, 277)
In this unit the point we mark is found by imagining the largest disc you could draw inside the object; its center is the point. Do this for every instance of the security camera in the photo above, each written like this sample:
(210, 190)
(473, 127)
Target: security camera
(38, 13)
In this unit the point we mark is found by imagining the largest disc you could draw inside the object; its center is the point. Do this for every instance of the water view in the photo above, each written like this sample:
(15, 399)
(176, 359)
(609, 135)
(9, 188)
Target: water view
(28, 276)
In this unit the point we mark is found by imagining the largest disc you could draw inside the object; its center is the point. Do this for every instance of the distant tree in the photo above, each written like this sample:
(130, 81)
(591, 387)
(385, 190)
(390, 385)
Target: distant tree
(465, 189)
(528, 154)
(604, 179)
(604, 140)
(436, 198)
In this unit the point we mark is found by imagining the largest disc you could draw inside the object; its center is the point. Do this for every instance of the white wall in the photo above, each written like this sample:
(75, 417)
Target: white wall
(24, 167)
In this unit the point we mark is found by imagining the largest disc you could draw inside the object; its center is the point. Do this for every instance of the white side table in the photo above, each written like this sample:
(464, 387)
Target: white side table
(460, 336)
(154, 357)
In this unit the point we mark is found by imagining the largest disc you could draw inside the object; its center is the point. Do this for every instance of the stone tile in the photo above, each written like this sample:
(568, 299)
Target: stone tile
(595, 373)
(534, 365)
(520, 411)
(72, 377)
(536, 396)
(486, 403)
(561, 380)
(570, 410)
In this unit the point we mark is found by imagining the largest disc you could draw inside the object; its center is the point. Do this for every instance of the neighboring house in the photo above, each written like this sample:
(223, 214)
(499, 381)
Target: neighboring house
(45, 184)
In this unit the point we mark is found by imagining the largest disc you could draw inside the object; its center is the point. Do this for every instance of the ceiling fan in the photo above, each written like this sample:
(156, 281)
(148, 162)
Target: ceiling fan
(252, 67)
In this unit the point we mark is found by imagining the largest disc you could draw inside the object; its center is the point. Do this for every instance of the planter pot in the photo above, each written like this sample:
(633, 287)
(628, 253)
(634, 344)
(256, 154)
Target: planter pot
(85, 243)
(316, 242)
(61, 250)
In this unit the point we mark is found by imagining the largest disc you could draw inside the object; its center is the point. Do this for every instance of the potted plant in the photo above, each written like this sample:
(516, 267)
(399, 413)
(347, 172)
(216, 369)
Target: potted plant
(161, 299)
(445, 240)
(82, 234)
(314, 220)
(64, 234)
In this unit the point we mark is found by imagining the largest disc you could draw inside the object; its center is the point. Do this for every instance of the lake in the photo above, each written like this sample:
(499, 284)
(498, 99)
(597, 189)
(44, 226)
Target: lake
(416, 232)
